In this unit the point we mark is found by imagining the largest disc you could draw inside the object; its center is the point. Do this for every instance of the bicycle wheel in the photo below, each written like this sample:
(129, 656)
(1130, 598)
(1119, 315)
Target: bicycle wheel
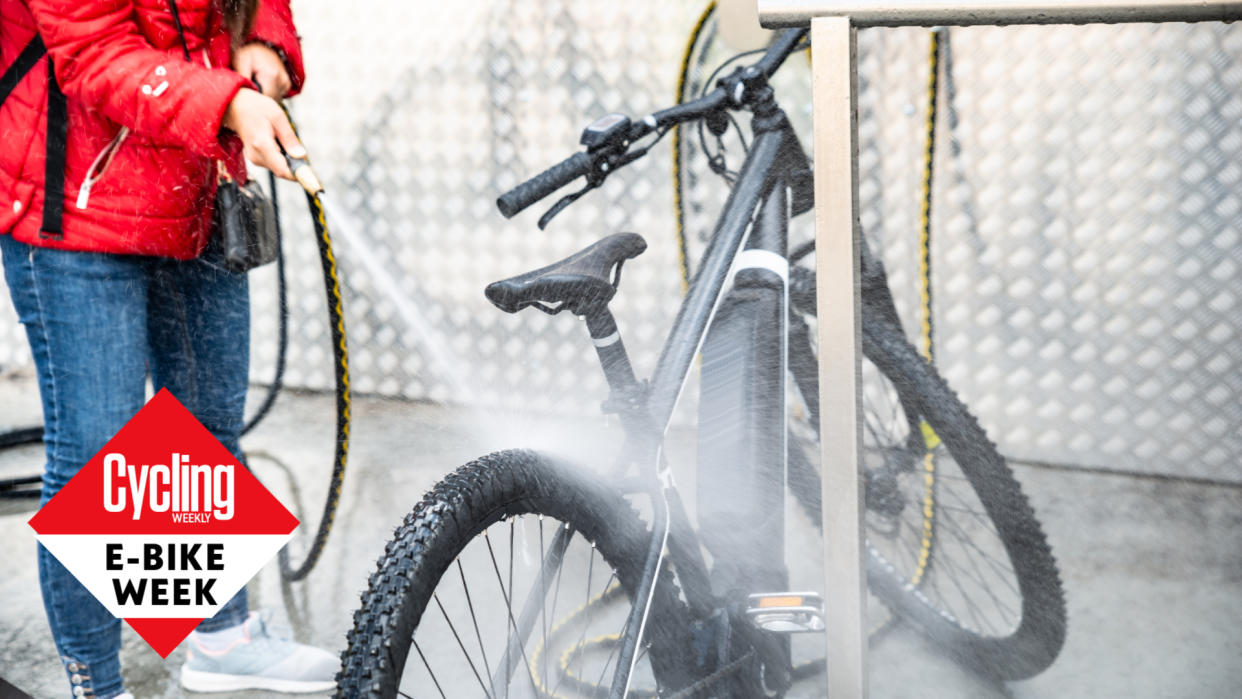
(466, 569)
(953, 544)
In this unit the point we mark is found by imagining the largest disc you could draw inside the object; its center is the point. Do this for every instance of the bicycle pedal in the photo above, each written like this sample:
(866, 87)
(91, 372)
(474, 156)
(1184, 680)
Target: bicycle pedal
(786, 612)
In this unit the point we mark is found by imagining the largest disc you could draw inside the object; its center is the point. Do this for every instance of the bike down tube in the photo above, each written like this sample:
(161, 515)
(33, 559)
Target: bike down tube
(695, 315)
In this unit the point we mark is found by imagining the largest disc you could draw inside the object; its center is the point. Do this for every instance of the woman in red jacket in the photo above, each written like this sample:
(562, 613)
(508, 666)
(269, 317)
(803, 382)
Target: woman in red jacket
(108, 171)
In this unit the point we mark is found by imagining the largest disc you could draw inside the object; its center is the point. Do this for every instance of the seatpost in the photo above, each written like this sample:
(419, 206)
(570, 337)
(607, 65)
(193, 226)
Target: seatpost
(611, 350)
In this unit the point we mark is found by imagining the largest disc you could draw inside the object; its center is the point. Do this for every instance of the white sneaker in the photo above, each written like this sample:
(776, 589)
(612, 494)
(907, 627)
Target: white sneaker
(255, 659)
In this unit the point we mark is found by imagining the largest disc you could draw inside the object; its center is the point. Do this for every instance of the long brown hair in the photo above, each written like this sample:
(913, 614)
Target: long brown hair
(238, 18)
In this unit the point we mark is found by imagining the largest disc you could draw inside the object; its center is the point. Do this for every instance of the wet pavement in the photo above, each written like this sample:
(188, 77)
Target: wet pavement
(1152, 568)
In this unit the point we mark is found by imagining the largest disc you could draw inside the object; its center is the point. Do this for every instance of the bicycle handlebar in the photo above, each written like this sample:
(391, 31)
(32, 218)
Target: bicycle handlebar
(543, 184)
(780, 50)
(583, 164)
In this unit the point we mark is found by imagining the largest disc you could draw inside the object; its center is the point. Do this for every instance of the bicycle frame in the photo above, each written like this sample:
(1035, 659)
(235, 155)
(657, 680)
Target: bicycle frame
(750, 239)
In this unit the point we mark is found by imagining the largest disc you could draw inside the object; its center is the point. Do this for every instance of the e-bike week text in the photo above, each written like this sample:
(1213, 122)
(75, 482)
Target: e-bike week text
(192, 493)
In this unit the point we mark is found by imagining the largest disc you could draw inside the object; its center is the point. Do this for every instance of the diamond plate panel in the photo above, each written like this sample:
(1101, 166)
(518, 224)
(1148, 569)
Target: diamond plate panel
(1085, 244)
(1086, 215)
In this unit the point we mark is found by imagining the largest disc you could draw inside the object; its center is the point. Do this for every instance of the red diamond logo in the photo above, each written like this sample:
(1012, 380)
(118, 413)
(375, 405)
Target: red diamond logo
(163, 526)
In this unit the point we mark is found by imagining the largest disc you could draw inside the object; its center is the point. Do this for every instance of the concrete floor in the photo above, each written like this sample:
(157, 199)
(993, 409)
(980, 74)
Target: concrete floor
(1152, 568)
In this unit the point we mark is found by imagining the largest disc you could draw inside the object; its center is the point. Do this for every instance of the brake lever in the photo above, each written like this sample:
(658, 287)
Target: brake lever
(563, 203)
(594, 180)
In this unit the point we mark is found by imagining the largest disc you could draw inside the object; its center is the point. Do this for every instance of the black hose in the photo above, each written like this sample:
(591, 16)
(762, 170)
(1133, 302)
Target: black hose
(340, 356)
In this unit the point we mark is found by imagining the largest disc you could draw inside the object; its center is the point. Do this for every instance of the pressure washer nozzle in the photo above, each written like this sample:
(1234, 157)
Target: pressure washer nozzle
(305, 176)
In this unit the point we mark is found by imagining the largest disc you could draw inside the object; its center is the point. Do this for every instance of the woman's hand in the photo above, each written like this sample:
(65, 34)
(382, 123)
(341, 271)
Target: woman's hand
(263, 128)
(260, 63)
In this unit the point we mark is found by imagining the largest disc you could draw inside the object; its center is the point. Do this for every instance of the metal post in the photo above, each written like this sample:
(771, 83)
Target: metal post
(837, 230)
(835, 72)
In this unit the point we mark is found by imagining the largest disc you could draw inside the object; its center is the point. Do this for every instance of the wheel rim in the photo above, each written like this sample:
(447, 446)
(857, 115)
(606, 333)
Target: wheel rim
(925, 523)
(481, 600)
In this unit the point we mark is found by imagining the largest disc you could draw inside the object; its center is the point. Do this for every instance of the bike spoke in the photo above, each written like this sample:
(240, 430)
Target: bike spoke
(461, 645)
(1005, 610)
(474, 619)
(1003, 571)
(973, 513)
(599, 684)
(1003, 575)
(512, 553)
(951, 568)
(556, 590)
(543, 608)
(975, 611)
(509, 610)
(991, 526)
(578, 649)
(642, 653)
(871, 425)
(429, 672)
(883, 433)
(582, 637)
(556, 593)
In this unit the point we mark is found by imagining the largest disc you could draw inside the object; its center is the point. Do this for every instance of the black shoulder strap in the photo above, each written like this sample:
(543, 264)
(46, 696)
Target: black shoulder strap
(57, 133)
(25, 61)
(54, 163)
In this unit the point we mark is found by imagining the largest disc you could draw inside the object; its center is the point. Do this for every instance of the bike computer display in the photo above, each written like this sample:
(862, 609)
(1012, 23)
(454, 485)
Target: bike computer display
(604, 129)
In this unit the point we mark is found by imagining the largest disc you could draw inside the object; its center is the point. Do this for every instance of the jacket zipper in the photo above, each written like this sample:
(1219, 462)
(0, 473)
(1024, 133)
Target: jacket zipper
(100, 165)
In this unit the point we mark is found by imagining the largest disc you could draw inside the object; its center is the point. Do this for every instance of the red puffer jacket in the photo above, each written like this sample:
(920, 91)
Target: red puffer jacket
(143, 123)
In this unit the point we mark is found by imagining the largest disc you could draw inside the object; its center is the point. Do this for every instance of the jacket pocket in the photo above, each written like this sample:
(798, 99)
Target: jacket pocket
(147, 180)
(12, 210)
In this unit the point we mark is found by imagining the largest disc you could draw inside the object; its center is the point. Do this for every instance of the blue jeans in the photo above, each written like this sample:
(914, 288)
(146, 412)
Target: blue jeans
(97, 325)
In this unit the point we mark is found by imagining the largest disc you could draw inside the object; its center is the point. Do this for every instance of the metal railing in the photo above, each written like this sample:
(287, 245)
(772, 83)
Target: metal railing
(835, 79)
(918, 13)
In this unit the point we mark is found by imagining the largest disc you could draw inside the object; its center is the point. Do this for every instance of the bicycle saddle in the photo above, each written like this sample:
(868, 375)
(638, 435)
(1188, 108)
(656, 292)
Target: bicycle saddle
(581, 283)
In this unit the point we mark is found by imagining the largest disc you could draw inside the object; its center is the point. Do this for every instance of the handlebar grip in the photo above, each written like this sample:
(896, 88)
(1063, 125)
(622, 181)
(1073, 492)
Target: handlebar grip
(543, 184)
